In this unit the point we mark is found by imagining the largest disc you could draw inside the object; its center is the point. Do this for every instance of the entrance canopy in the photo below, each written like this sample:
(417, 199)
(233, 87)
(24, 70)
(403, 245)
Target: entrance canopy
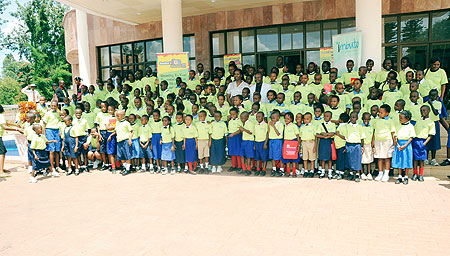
(143, 11)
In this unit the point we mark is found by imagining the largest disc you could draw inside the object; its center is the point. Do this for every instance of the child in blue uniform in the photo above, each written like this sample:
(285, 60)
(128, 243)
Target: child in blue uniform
(70, 146)
(234, 140)
(111, 141)
(425, 130)
(124, 134)
(190, 144)
(403, 153)
(217, 143)
(328, 129)
(247, 151)
(145, 137)
(156, 127)
(167, 145)
(261, 144)
(276, 129)
(354, 137)
(291, 133)
(180, 156)
(40, 155)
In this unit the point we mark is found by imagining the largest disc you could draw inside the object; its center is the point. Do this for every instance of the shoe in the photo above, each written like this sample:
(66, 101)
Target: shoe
(369, 177)
(201, 171)
(426, 162)
(311, 174)
(280, 173)
(77, 172)
(164, 172)
(114, 171)
(294, 175)
(385, 178)
(152, 171)
(445, 162)
(414, 177)
(45, 172)
(322, 175)
(363, 177)
(219, 169)
(330, 177)
(172, 172)
(305, 174)
(231, 169)
(421, 178)
(213, 169)
(405, 181)
(239, 171)
(379, 176)
(32, 180)
(69, 172)
(254, 169)
(340, 177)
(262, 173)
(350, 177)
(193, 172)
(55, 174)
(398, 181)
(257, 173)
(434, 163)
(273, 173)
(58, 169)
(248, 173)
(357, 179)
(335, 176)
(104, 167)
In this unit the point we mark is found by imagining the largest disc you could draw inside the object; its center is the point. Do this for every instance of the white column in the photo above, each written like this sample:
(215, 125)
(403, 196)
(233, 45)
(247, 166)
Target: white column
(172, 25)
(369, 21)
(83, 47)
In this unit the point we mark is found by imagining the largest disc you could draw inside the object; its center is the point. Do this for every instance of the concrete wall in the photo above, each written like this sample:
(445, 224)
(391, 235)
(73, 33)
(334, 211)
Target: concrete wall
(103, 31)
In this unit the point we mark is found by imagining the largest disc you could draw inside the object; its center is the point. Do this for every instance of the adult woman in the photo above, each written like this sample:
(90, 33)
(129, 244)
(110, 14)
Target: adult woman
(3, 127)
(382, 75)
(437, 76)
(235, 88)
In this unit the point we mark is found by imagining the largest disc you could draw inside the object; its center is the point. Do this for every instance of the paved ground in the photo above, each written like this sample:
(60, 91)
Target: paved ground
(142, 214)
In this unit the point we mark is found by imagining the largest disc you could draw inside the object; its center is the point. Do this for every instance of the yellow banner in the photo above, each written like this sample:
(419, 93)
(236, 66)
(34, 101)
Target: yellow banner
(172, 65)
(237, 58)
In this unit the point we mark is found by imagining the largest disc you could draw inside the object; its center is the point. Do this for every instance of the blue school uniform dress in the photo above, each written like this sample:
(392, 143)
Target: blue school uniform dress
(218, 132)
(435, 142)
(69, 142)
(156, 139)
(403, 159)
(325, 144)
(38, 144)
(423, 129)
(124, 150)
(234, 143)
(51, 120)
(248, 140)
(167, 135)
(276, 142)
(190, 151)
(291, 132)
(354, 135)
(341, 160)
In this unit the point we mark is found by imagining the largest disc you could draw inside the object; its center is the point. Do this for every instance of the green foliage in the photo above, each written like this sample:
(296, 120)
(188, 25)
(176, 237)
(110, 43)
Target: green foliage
(10, 91)
(39, 39)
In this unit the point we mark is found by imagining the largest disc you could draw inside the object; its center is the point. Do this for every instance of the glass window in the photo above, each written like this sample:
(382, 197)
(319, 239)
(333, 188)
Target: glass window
(312, 56)
(416, 54)
(390, 30)
(189, 45)
(443, 52)
(115, 55)
(348, 26)
(105, 74)
(267, 39)
(218, 43)
(218, 62)
(248, 40)
(233, 42)
(391, 52)
(127, 69)
(152, 48)
(313, 35)
(441, 25)
(126, 54)
(192, 64)
(329, 29)
(414, 28)
(138, 52)
(249, 60)
(104, 56)
(118, 71)
(292, 37)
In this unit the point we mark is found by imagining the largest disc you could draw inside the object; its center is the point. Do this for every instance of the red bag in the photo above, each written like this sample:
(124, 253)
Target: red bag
(290, 149)
(333, 151)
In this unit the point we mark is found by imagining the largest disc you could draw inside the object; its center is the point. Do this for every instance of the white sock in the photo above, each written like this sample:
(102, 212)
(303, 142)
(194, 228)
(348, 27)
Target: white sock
(282, 169)
(127, 166)
(30, 169)
(330, 171)
(185, 166)
(143, 166)
(386, 172)
(274, 168)
(201, 165)
(206, 165)
(151, 166)
(448, 159)
(399, 176)
(406, 176)
(312, 170)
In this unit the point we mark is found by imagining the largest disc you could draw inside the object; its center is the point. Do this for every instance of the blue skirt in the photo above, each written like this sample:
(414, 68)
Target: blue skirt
(53, 134)
(157, 147)
(325, 149)
(147, 152)
(261, 154)
(180, 157)
(124, 151)
(341, 161)
(81, 141)
(354, 156)
(30, 152)
(276, 149)
(136, 152)
(234, 145)
(403, 159)
(43, 161)
(248, 149)
(166, 153)
(419, 150)
(111, 146)
(103, 143)
(69, 147)
(190, 151)
(217, 152)
(435, 141)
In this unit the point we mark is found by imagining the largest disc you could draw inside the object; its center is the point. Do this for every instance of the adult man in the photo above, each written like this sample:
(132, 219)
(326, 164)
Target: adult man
(200, 70)
(61, 91)
(260, 87)
(32, 94)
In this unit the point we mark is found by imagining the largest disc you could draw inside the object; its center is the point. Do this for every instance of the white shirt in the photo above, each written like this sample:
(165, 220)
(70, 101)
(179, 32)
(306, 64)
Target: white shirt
(265, 88)
(234, 90)
(30, 94)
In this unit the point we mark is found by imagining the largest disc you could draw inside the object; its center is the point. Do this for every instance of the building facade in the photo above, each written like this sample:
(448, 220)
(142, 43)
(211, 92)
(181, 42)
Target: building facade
(296, 30)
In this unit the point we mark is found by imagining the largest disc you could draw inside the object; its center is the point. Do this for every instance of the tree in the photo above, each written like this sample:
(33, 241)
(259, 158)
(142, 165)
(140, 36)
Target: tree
(10, 91)
(39, 38)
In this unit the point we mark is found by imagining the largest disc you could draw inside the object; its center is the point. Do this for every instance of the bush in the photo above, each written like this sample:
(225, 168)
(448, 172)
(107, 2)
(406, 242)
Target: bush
(10, 92)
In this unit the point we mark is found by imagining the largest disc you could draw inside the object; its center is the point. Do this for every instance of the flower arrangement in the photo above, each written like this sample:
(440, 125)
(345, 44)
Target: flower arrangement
(24, 109)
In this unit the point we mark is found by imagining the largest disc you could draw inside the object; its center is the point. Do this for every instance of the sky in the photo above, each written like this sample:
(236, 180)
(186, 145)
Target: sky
(8, 26)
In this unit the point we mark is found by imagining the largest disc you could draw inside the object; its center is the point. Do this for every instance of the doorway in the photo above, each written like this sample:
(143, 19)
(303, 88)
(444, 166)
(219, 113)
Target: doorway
(291, 59)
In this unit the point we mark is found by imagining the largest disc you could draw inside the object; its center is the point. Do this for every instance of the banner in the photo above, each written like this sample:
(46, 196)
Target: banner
(237, 58)
(172, 65)
(347, 46)
(326, 54)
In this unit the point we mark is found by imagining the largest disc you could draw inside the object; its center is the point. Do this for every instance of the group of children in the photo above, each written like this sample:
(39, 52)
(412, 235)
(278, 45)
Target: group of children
(333, 127)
